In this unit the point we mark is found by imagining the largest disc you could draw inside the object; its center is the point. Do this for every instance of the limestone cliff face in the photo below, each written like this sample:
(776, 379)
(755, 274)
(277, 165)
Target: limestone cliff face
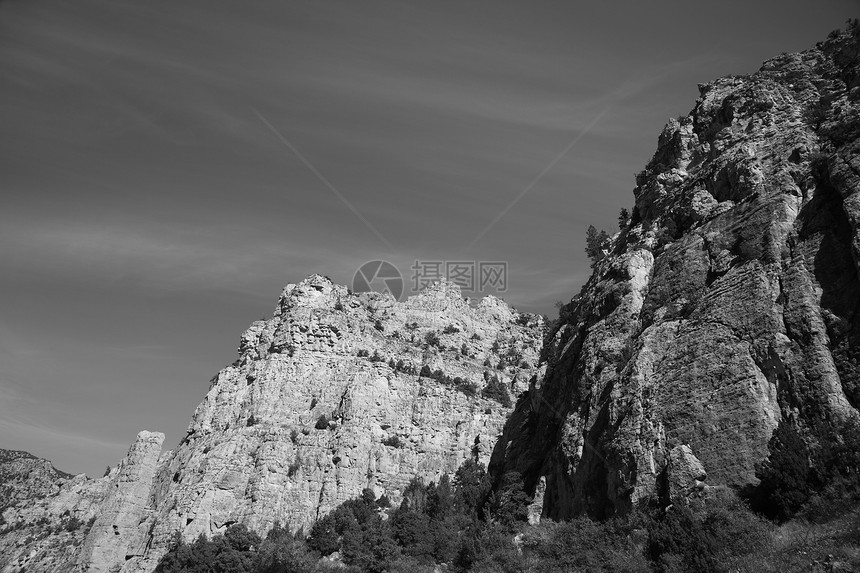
(120, 530)
(728, 303)
(63, 523)
(25, 477)
(326, 399)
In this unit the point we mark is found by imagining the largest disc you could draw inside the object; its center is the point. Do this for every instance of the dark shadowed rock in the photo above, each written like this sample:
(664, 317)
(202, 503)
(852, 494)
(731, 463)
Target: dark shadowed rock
(727, 304)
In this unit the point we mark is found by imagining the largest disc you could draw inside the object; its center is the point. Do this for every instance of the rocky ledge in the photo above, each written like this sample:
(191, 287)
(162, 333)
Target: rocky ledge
(727, 304)
(335, 393)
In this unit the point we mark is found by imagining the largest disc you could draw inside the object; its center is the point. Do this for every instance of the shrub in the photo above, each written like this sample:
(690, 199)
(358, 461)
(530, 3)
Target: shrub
(234, 551)
(595, 243)
(322, 422)
(432, 339)
(363, 353)
(583, 545)
(392, 442)
(471, 487)
(378, 325)
(295, 466)
(450, 329)
(496, 390)
(356, 530)
(283, 553)
(508, 503)
(623, 219)
(404, 367)
(706, 535)
(785, 476)
(73, 524)
(468, 388)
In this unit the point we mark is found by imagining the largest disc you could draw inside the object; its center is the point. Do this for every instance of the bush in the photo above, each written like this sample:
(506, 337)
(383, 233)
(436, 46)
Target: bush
(356, 530)
(432, 339)
(392, 442)
(73, 524)
(282, 553)
(294, 467)
(595, 243)
(466, 387)
(450, 329)
(322, 422)
(508, 504)
(583, 545)
(496, 390)
(234, 551)
(623, 219)
(785, 476)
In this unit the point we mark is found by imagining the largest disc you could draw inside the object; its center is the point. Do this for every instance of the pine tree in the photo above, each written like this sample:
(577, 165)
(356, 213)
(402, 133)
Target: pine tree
(595, 242)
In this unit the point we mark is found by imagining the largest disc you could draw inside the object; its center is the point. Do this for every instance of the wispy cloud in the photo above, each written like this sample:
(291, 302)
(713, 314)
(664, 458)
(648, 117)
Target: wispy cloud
(208, 259)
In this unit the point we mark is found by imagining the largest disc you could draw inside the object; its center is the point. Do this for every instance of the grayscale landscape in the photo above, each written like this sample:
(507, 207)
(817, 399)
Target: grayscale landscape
(449, 338)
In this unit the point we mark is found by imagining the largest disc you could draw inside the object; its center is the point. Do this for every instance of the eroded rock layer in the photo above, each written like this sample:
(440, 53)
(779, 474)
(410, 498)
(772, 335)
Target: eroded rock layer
(726, 304)
(335, 393)
(327, 398)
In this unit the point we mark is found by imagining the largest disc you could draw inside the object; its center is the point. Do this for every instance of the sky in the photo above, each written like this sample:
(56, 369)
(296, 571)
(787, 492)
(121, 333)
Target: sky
(167, 166)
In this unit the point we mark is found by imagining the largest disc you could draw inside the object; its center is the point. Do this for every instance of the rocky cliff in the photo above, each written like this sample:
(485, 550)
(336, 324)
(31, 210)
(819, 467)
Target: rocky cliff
(327, 398)
(52, 516)
(335, 393)
(726, 304)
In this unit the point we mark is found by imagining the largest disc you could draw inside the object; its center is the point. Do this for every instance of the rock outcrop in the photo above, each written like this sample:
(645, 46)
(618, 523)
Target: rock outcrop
(25, 477)
(335, 393)
(45, 514)
(727, 304)
(119, 532)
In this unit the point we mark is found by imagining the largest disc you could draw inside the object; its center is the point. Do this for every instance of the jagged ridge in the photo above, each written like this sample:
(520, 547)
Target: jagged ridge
(325, 399)
(727, 304)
